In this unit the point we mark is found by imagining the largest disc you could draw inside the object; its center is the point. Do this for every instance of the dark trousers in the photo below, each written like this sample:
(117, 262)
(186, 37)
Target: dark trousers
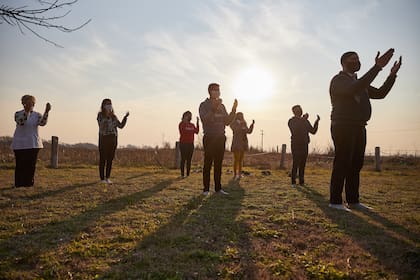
(25, 167)
(300, 154)
(214, 151)
(349, 144)
(107, 147)
(187, 150)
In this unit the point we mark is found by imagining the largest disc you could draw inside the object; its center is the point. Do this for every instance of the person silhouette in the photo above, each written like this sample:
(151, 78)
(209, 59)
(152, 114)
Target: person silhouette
(300, 128)
(186, 140)
(214, 117)
(26, 142)
(108, 138)
(351, 109)
(239, 142)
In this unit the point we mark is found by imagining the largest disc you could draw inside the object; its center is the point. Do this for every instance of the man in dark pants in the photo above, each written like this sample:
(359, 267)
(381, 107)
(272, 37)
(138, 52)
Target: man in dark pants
(351, 109)
(300, 128)
(214, 116)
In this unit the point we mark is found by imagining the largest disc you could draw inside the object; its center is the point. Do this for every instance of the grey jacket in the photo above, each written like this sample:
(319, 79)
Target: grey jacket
(214, 121)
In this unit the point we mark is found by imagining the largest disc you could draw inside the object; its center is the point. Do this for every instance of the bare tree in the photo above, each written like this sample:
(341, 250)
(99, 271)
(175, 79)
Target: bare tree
(45, 16)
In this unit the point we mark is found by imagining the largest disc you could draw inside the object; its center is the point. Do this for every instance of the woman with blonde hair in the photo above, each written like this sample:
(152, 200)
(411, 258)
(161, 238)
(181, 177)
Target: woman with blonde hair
(26, 142)
(239, 142)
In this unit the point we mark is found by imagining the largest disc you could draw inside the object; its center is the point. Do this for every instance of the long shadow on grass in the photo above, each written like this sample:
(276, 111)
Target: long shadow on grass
(194, 244)
(23, 251)
(394, 253)
(48, 192)
(144, 174)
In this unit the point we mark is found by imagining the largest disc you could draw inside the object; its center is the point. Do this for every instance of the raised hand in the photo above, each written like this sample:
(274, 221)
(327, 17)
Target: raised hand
(317, 118)
(127, 114)
(198, 119)
(235, 105)
(253, 122)
(305, 116)
(383, 60)
(396, 67)
(47, 107)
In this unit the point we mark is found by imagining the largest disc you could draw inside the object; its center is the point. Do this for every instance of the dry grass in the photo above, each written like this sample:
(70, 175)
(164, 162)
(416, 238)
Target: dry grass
(152, 225)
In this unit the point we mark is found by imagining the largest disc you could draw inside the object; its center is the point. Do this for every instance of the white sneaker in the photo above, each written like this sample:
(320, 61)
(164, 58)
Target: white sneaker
(205, 193)
(108, 181)
(104, 181)
(339, 207)
(223, 192)
(359, 206)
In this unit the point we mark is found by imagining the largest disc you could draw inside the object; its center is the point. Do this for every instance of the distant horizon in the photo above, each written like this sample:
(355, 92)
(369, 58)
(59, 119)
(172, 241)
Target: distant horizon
(312, 149)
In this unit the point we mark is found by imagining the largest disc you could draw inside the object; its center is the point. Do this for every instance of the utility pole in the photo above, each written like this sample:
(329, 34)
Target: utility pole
(262, 140)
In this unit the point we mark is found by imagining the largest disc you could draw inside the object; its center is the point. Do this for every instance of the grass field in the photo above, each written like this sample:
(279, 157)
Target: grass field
(151, 225)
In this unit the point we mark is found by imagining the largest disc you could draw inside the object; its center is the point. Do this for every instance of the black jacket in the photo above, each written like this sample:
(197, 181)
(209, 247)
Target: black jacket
(350, 97)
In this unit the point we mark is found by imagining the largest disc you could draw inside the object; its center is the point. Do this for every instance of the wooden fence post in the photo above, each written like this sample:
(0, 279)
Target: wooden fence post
(177, 155)
(377, 159)
(283, 155)
(54, 152)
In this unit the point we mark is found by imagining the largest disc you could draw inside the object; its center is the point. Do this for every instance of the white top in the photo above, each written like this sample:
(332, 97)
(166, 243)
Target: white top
(26, 132)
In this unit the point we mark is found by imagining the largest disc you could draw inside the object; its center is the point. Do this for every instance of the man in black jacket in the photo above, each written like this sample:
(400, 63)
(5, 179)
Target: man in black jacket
(351, 109)
(300, 128)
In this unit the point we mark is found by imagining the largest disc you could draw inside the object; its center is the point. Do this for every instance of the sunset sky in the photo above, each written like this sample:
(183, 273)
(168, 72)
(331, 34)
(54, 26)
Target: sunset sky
(156, 59)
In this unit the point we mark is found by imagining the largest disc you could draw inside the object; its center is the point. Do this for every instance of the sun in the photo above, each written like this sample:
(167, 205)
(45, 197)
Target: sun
(253, 84)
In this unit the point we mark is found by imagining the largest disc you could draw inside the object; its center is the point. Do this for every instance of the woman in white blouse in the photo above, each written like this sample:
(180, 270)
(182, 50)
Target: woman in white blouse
(26, 142)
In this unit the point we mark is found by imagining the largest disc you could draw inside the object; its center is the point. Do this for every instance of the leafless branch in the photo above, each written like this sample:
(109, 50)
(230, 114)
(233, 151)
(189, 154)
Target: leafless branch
(27, 18)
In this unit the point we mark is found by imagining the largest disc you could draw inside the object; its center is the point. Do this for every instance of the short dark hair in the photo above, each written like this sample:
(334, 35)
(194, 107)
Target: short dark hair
(212, 85)
(346, 55)
(28, 97)
(185, 114)
(295, 108)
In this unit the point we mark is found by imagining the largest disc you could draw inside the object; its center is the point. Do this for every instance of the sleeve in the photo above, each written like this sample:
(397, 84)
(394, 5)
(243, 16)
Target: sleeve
(229, 117)
(345, 86)
(121, 124)
(313, 129)
(180, 128)
(379, 93)
(206, 114)
(42, 119)
(21, 117)
(251, 128)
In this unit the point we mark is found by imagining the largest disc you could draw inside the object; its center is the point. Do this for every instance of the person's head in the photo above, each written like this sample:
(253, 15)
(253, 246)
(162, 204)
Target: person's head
(214, 90)
(297, 110)
(106, 106)
(350, 62)
(28, 102)
(239, 116)
(187, 116)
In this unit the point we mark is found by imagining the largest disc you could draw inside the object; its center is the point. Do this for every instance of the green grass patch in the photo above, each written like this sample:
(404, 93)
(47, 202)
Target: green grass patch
(152, 225)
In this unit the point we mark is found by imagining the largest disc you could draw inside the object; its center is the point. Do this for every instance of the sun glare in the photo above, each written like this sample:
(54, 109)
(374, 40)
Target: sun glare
(253, 84)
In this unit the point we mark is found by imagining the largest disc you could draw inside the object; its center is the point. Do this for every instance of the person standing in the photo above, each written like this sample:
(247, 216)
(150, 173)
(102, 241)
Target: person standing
(186, 140)
(300, 128)
(26, 142)
(108, 138)
(214, 116)
(239, 142)
(351, 109)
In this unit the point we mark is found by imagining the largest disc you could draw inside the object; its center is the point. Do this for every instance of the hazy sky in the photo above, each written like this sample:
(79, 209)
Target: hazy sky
(156, 59)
